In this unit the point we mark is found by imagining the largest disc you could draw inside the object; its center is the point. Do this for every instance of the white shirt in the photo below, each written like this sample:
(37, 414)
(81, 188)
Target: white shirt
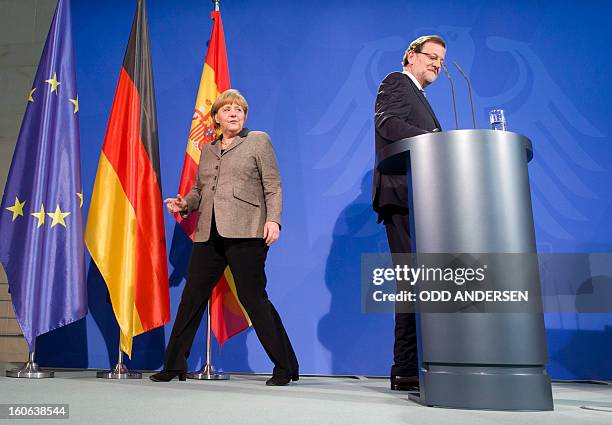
(414, 80)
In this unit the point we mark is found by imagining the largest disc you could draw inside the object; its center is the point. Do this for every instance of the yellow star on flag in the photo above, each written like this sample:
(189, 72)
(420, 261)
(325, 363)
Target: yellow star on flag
(17, 209)
(58, 217)
(30, 98)
(75, 102)
(80, 196)
(54, 83)
(40, 215)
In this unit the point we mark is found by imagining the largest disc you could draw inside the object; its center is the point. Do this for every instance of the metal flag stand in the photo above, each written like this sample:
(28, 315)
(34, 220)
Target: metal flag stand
(30, 370)
(208, 372)
(120, 371)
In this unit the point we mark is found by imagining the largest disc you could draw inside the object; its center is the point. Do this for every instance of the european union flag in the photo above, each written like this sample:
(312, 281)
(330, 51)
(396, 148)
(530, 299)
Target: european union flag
(41, 224)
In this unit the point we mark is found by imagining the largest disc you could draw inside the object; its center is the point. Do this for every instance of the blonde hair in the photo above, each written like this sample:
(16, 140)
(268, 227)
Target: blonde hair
(227, 98)
(417, 45)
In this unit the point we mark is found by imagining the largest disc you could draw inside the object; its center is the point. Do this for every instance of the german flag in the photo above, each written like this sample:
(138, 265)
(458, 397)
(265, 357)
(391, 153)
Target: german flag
(228, 316)
(125, 228)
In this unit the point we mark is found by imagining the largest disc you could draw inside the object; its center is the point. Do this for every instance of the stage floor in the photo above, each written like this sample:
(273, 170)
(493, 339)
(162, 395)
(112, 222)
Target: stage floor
(246, 400)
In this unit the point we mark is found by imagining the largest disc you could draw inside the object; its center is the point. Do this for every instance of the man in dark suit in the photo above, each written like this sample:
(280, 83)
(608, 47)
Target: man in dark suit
(402, 111)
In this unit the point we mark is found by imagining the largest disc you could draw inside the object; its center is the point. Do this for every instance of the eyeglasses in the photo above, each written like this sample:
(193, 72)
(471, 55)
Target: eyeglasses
(433, 57)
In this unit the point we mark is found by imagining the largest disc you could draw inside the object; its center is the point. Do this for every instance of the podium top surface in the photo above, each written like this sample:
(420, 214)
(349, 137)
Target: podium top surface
(392, 159)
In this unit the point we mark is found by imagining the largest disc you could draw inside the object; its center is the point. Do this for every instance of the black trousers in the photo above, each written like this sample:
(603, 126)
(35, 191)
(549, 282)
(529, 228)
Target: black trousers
(405, 357)
(246, 259)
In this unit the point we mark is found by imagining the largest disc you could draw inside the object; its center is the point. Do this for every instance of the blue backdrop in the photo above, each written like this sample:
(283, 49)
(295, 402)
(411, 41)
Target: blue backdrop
(310, 71)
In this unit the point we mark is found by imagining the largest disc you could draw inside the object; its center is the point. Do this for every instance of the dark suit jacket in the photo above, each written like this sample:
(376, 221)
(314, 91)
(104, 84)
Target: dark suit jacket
(401, 111)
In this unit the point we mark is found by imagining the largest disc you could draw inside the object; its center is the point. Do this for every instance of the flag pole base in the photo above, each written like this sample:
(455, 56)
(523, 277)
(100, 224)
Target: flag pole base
(208, 373)
(119, 372)
(30, 370)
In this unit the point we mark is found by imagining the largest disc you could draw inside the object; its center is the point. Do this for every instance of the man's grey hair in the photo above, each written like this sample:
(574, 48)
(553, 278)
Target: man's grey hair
(418, 44)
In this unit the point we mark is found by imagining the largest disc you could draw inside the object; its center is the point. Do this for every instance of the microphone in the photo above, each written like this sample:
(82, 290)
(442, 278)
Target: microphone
(452, 93)
(470, 90)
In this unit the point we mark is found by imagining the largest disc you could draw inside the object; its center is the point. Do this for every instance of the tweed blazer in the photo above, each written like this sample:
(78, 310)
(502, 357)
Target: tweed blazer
(242, 185)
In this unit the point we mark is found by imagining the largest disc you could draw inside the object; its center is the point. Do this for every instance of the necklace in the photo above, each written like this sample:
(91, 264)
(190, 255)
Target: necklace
(225, 144)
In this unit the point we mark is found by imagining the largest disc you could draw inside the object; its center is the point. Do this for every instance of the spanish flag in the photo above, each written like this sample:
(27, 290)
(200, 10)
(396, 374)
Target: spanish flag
(228, 316)
(125, 228)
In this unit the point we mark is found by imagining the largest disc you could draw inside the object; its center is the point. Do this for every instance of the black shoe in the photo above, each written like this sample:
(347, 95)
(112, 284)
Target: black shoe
(168, 375)
(405, 383)
(278, 381)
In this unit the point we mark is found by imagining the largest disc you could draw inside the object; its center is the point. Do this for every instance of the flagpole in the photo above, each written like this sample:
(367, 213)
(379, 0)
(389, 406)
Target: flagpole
(30, 370)
(120, 370)
(208, 372)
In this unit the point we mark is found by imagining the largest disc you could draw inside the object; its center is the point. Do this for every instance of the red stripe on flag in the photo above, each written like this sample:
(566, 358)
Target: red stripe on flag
(216, 56)
(227, 318)
(188, 224)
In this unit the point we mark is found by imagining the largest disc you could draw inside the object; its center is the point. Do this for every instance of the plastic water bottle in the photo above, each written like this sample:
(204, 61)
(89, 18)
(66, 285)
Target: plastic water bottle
(497, 118)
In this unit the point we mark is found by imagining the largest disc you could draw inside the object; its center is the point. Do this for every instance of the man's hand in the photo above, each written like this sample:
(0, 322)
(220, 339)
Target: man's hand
(271, 232)
(176, 205)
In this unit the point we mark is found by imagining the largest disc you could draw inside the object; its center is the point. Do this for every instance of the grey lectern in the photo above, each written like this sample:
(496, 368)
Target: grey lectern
(469, 193)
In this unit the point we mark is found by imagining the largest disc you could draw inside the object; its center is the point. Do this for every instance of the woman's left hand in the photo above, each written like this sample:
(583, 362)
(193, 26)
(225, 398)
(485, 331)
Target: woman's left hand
(271, 232)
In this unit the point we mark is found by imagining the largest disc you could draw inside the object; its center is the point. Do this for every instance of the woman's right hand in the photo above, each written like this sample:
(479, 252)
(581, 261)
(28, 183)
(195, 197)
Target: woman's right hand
(176, 205)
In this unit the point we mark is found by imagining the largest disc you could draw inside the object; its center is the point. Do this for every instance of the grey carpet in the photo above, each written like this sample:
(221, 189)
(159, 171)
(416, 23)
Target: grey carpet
(246, 400)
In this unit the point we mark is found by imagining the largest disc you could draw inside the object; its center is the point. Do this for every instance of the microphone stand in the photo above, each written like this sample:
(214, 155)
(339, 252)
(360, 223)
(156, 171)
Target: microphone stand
(470, 90)
(450, 79)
